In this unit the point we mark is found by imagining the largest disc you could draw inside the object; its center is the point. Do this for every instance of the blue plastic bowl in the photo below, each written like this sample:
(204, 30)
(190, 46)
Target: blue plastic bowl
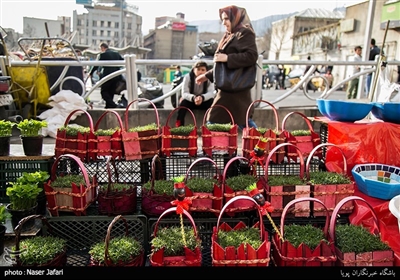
(343, 111)
(377, 180)
(388, 112)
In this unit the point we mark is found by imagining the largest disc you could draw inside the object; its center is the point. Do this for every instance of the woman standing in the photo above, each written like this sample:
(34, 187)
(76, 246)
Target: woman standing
(238, 49)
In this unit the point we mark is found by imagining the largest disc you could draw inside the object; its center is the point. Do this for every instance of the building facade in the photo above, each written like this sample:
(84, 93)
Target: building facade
(119, 25)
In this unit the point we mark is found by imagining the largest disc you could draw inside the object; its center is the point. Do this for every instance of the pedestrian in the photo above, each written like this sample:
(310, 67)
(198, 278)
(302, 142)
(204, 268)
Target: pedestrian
(239, 50)
(373, 52)
(139, 75)
(195, 96)
(310, 85)
(108, 88)
(178, 72)
(353, 85)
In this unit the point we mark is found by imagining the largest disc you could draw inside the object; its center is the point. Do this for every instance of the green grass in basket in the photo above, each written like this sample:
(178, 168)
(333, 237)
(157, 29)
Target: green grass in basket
(40, 249)
(147, 127)
(171, 239)
(306, 234)
(237, 237)
(121, 249)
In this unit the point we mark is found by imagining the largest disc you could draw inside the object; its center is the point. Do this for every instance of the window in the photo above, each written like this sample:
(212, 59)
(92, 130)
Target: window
(102, 24)
(109, 23)
(94, 23)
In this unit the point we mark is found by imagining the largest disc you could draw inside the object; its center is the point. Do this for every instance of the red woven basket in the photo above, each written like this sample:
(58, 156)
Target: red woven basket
(133, 260)
(75, 199)
(57, 261)
(179, 143)
(116, 202)
(80, 145)
(285, 254)
(375, 258)
(205, 202)
(109, 145)
(331, 194)
(237, 205)
(244, 255)
(219, 141)
(191, 258)
(141, 144)
(304, 143)
(279, 196)
(251, 135)
(155, 204)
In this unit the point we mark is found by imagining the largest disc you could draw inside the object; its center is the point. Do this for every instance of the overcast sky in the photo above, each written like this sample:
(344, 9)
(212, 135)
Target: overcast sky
(13, 11)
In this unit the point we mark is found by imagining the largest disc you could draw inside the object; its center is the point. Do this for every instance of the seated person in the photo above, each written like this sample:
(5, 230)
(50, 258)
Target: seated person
(195, 96)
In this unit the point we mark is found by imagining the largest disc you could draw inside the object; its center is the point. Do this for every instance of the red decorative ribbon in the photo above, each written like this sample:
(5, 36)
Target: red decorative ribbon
(267, 207)
(254, 158)
(181, 205)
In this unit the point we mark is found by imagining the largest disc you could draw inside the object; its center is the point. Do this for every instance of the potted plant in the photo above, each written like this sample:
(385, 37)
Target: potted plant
(31, 137)
(39, 177)
(38, 251)
(4, 215)
(5, 135)
(23, 201)
(179, 139)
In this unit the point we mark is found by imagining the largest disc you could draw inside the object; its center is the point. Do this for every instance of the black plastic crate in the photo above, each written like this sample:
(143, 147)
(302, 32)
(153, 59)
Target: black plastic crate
(323, 131)
(178, 165)
(286, 168)
(83, 232)
(13, 167)
(132, 171)
(204, 229)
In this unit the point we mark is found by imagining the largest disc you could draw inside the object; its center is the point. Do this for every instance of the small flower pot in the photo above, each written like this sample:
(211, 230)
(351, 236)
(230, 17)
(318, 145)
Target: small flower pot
(4, 146)
(32, 145)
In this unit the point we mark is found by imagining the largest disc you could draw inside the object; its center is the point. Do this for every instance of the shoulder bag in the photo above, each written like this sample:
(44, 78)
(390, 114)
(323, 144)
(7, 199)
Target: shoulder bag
(232, 80)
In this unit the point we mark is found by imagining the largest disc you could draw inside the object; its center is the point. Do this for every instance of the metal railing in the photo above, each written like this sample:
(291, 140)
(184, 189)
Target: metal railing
(128, 67)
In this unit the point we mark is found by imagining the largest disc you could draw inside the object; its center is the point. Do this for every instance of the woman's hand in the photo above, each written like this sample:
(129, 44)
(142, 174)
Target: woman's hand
(220, 57)
(201, 78)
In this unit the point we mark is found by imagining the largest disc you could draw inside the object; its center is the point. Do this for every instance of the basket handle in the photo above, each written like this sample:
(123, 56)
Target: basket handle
(300, 114)
(104, 114)
(108, 236)
(277, 148)
(89, 117)
(217, 105)
(171, 210)
(273, 108)
(243, 197)
(154, 161)
(18, 229)
(228, 164)
(301, 199)
(185, 108)
(309, 158)
(77, 160)
(138, 100)
(199, 160)
(340, 204)
(110, 159)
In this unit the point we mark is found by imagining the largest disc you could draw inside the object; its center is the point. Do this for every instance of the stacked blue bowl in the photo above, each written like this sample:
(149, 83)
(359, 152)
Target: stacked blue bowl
(388, 111)
(344, 111)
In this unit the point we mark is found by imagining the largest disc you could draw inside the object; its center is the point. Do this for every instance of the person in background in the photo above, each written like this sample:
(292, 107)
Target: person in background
(178, 72)
(108, 88)
(373, 52)
(139, 75)
(353, 85)
(238, 49)
(310, 85)
(195, 96)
